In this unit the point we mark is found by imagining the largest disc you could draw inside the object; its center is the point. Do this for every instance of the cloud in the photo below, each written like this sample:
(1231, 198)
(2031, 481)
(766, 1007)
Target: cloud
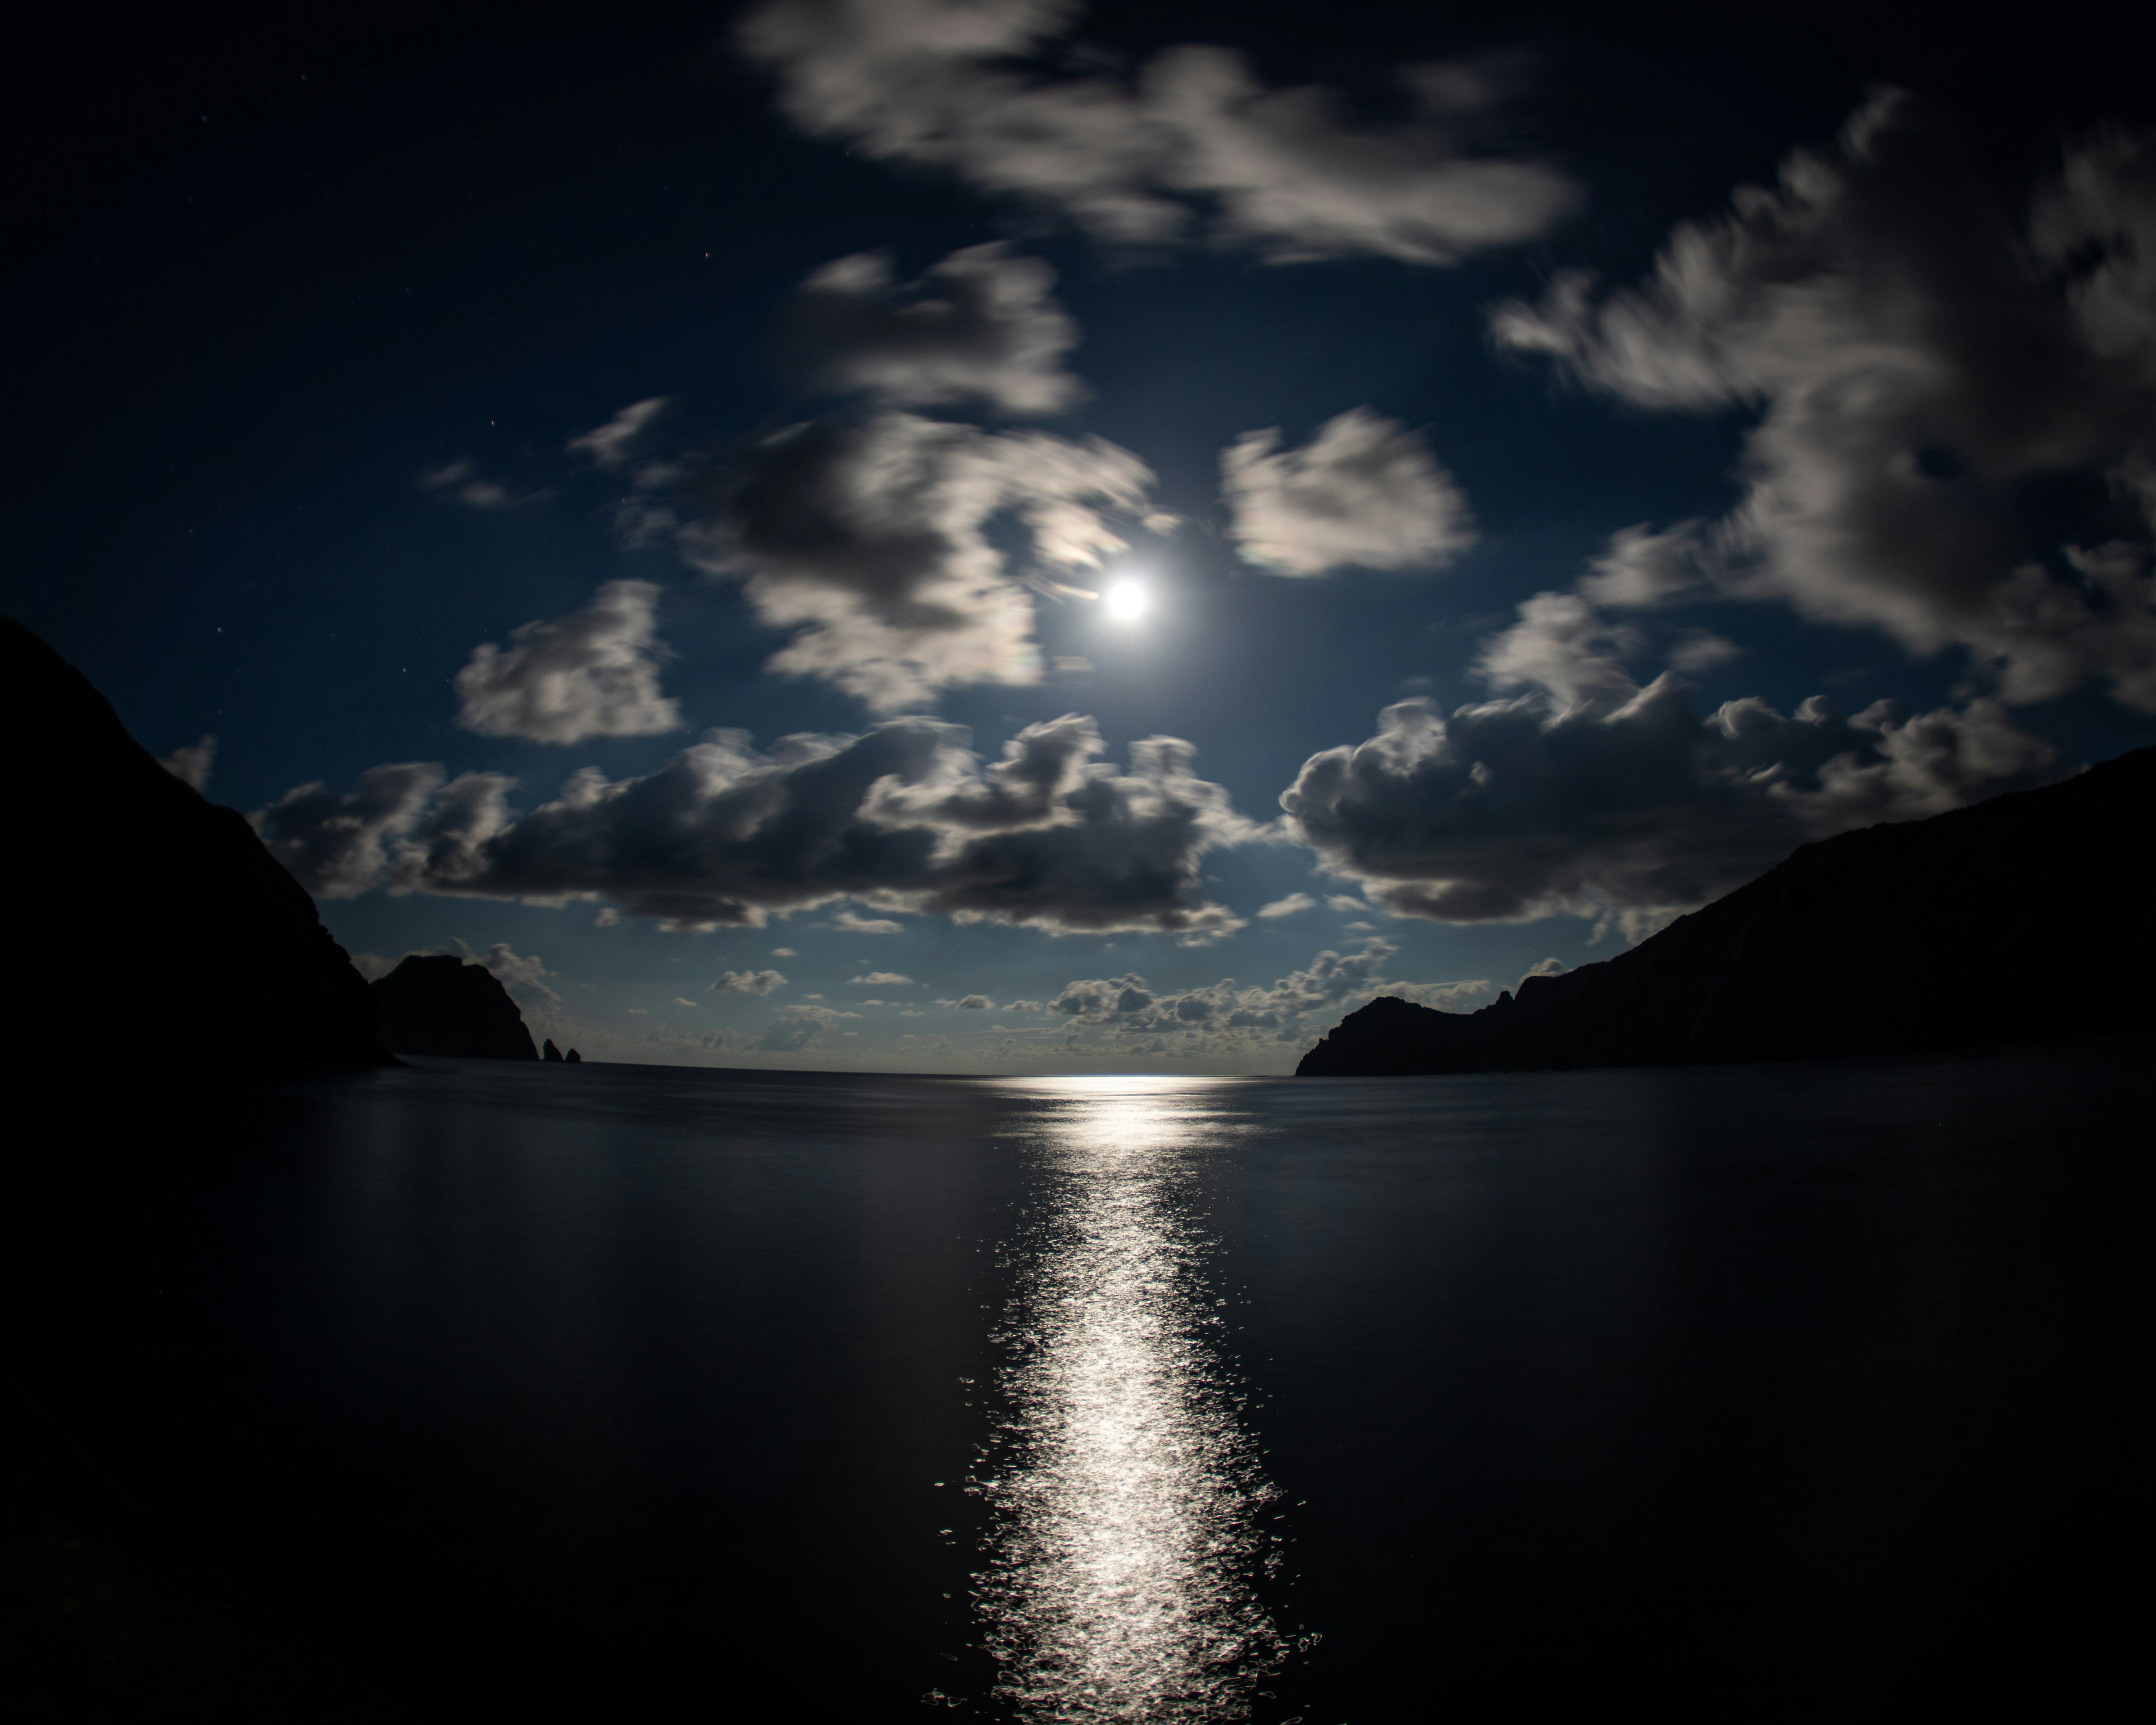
(978, 1003)
(1546, 967)
(905, 817)
(523, 973)
(796, 1027)
(681, 1000)
(982, 326)
(1025, 1006)
(1224, 1015)
(594, 672)
(847, 920)
(1193, 146)
(748, 981)
(879, 979)
(864, 534)
(1919, 366)
(1365, 491)
(191, 763)
(1699, 649)
(1588, 795)
(610, 447)
(1288, 906)
(339, 843)
(460, 479)
(784, 952)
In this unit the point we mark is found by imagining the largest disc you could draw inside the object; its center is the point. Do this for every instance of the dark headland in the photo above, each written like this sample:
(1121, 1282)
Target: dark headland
(154, 933)
(2024, 918)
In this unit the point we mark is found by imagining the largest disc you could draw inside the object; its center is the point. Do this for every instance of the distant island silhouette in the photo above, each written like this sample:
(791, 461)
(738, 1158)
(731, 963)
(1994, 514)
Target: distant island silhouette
(437, 1004)
(154, 932)
(2027, 917)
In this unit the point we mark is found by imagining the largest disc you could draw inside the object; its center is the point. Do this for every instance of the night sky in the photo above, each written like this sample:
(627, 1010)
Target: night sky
(1012, 537)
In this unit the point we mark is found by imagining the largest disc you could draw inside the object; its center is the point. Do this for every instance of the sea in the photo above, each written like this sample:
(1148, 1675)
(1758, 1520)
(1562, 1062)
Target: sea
(611, 1392)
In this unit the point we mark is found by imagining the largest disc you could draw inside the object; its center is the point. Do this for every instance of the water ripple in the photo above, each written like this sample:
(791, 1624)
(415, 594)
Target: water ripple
(1126, 1498)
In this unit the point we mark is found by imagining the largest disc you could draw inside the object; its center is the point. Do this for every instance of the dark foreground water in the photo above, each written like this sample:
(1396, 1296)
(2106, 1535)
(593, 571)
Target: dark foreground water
(625, 1394)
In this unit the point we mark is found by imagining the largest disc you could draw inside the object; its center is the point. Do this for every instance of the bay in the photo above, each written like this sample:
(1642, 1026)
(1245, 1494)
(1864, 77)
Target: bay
(1764, 1393)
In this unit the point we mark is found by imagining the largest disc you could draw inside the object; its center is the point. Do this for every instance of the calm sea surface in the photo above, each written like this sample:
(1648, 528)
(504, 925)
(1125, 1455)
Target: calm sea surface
(610, 1392)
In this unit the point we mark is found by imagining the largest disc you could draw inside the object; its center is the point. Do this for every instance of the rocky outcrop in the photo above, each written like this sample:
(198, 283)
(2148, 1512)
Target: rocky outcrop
(152, 933)
(436, 1003)
(573, 1057)
(2026, 917)
(550, 1052)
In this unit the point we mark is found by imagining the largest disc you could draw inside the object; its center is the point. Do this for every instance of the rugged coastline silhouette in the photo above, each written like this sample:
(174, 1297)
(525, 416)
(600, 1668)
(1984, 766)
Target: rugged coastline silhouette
(2023, 918)
(143, 899)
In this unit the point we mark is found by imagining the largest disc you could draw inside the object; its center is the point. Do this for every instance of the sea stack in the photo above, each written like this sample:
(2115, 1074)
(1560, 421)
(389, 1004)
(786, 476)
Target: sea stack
(436, 1003)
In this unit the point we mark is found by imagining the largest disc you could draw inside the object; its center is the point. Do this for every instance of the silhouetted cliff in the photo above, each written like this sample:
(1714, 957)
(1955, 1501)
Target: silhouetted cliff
(150, 930)
(2028, 917)
(436, 1003)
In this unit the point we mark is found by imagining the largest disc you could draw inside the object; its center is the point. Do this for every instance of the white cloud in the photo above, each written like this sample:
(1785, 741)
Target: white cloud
(339, 843)
(1365, 491)
(1288, 906)
(864, 534)
(848, 922)
(522, 974)
(747, 982)
(1194, 145)
(594, 672)
(1918, 363)
(1049, 836)
(1699, 649)
(880, 979)
(191, 763)
(461, 480)
(610, 447)
(1223, 1015)
(978, 1003)
(982, 326)
(1590, 796)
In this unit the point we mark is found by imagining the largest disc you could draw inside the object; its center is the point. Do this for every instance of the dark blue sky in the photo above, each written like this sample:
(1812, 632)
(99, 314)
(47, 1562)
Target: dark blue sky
(308, 323)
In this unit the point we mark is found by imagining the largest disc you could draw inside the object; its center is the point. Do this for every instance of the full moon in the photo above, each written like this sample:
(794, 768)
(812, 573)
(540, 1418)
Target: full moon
(1126, 601)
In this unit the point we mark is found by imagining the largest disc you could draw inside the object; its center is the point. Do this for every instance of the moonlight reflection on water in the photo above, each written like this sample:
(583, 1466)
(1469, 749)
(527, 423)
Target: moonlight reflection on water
(1126, 1538)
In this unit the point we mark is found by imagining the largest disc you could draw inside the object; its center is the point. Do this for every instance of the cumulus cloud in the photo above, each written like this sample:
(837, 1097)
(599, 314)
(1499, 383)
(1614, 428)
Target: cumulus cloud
(850, 923)
(191, 763)
(978, 1003)
(594, 672)
(982, 326)
(1365, 491)
(747, 982)
(1587, 794)
(611, 447)
(1918, 361)
(1700, 650)
(879, 979)
(905, 817)
(864, 534)
(1288, 906)
(796, 1027)
(1223, 1015)
(522, 973)
(461, 482)
(339, 844)
(1193, 146)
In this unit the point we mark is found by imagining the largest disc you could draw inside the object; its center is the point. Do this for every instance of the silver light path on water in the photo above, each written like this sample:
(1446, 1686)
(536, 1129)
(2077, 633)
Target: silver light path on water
(1130, 1512)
